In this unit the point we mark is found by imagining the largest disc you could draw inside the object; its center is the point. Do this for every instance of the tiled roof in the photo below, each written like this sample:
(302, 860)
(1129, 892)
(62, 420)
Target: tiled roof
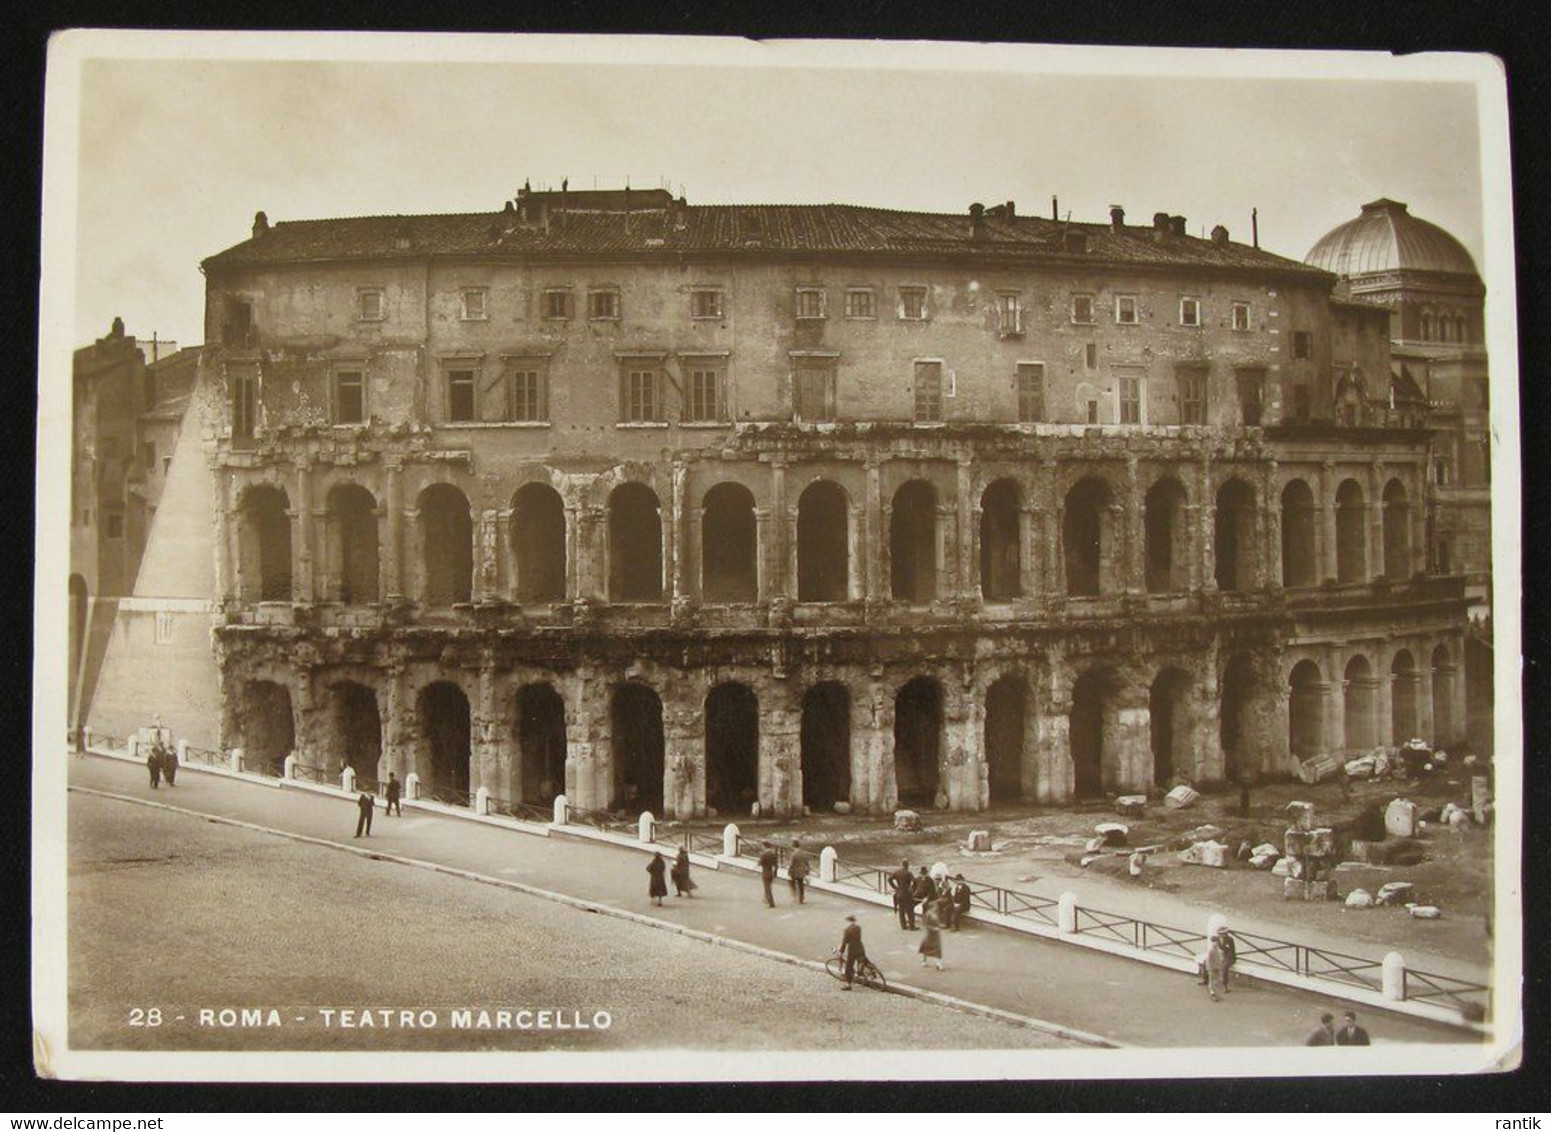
(752, 230)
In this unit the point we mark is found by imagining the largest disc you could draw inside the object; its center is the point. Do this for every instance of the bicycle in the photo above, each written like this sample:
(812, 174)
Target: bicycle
(866, 973)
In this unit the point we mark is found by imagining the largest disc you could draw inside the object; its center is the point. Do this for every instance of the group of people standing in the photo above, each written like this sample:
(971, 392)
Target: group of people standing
(942, 903)
(162, 761)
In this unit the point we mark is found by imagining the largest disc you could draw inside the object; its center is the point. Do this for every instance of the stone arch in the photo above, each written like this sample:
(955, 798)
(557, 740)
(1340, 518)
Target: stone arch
(1006, 725)
(1168, 706)
(1165, 532)
(1358, 721)
(1235, 732)
(826, 745)
(1001, 550)
(918, 741)
(1094, 732)
(1088, 537)
(446, 741)
(635, 546)
(1397, 532)
(264, 544)
(538, 540)
(729, 545)
(1351, 533)
(1305, 710)
(539, 771)
(1299, 566)
(638, 748)
(358, 726)
(446, 546)
(350, 526)
(267, 726)
(913, 543)
(1233, 540)
(1404, 723)
(823, 543)
(731, 748)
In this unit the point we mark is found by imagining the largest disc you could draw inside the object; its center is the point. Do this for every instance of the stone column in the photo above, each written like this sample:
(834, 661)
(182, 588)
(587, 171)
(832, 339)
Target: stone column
(1136, 535)
(505, 556)
(393, 544)
(1206, 724)
(1418, 502)
(487, 549)
(692, 559)
(966, 572)
(1030, 522)
(1134, 741)
(1195, 572)
(1056, 778)
(1325, 520)
(1335, 711)
(1032, 770)
(1377, 565)
(301, 586)
(855, 577)
(947, 524)
(225, 533)
(673, 574)
(1206, 530)
(1053, 571)
(489, 760)
(684, 761)
(592, 578)
(305, 742)
(1271, 547)
(780, 580)
(872, 745)
(877, 536)
(396, 754)
(1383, 710)
(588, 766)
(573, 552)
(764, 559)
(780, 750)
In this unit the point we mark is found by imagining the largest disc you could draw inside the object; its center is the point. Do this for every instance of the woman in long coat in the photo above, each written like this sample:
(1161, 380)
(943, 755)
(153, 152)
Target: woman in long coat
(682, 885)
(655, 868)
(931, 942)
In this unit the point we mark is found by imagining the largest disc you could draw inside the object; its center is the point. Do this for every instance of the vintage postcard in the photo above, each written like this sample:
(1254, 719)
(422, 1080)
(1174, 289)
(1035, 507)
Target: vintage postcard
(636, 559)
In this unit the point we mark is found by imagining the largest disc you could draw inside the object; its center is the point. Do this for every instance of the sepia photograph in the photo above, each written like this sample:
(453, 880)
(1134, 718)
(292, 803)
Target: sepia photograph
(590, 558)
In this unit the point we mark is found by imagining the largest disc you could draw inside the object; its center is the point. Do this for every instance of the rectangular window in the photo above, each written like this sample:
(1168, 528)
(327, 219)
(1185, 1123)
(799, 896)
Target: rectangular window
(460, 396)
(1009, 313)
(1031, 391)
(163, 627)
(1192, 396)
(369, 306)
(861, 303)
(928, 391)
(237, 325)
(1090, 356)
(640, 399)
(814, 389)
(703, 394)
(603, 305)
(1126, 310)
(705, 302)
(912, 303)
(349, 397)
(810, 302)
(1190, 311)
(1300, 403)
(244, 394)
(473, 307)
(526, 398)
(1302, 344)
(1093, 410)
(1241, 316)
(556, 303)
(1082, 309)
(113, 524)
(1251, 384)
(1130, 399)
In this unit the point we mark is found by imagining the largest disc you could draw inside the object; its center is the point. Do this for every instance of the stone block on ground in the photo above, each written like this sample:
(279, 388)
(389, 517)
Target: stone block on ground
(1316, 890)
(1317, 769)
(1293, 889)
(1131, 805)
(1361, 768)
(979, 841)
(1283, 866)
(1395, 892)
(1295, 842)
(1400, 818)
(1264, 861)
(1359, 898)
(907, 821)
(1204, 833)
(1181, 796)
(842, 807)
(1425, 911)
(1214, 854)
(1322, 842)
(1300, 815)
(1265, 849)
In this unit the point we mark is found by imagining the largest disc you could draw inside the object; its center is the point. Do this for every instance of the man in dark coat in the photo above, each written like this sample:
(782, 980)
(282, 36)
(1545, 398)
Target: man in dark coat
(1326, 1034)
(797, 870)
(395, 792)
(903, 883)
(153, 763)
(1350, 1033)
(923, 889)
(851, 949)
(169, 763)
(364, 821)
(769, 862)
(961, 901)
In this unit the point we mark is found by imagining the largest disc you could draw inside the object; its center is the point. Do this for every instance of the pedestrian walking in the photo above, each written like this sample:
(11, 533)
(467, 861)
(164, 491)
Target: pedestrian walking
(658, 887)
(153, 763)
(769, 862)
(851, 950)
(682, 885)
(1350, 1033)
(903, 884)
(962, 898)
(1230, 947)
(797, 870)
(1216, 965)
(923, 889)
(170, 764)
(363, 803)
(395, 794)
(931, 942)
(1325, 1035)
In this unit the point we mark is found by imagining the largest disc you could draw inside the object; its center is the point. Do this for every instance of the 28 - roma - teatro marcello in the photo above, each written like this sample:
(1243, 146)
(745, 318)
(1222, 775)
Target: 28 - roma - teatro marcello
(684, 508)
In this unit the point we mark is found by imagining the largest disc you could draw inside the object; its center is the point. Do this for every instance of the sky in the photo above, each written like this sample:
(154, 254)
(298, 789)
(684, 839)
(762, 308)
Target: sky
(176, 155)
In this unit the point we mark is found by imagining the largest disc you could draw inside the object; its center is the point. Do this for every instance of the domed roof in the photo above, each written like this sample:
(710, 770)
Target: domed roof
(1388, 238)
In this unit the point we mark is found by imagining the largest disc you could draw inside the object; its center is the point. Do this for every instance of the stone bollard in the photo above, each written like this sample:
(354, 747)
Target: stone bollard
(730, 841)
(482, 801)
(1066, 913)
(86, 738)
(1395, 976)
(647, 831)
(290, 765)
(560, 808)
(829, 862)
(237, 760)
(347, 780)
(412, 786)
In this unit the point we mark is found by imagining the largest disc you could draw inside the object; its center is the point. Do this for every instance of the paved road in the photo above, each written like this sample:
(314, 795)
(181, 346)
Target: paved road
(1132, 1003)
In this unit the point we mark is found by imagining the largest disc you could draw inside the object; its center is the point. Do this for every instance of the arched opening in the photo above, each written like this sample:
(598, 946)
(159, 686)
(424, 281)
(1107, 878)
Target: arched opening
(635, 718)
(447, 545)
(1397, 532)
(1001, 552)
(1086, 537)
(826, 746)
(1298, 568)
(731, 748)
(1351, 533)
(1093, 733)
(267, 727)
(358, 724)
(635, 545)
(1169, 711)
(541, 744)
(446, 741)
(913, 543)
(264, 542)
(351, 525)
(1305, 710)
(1234, 537)
(1234, 735)
(728, 545)
(918, 721)
(1403, 722)
(1164, 529)
(79, 605)
(1006, 708)
(823, 543)
(1443, 674)
(1358, 718)
(538, 539)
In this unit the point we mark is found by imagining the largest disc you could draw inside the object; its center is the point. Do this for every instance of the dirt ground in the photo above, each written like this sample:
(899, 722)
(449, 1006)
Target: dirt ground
(1036, 848)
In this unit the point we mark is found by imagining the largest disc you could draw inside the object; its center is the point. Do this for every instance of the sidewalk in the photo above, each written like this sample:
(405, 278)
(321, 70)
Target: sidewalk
(1129, 1002)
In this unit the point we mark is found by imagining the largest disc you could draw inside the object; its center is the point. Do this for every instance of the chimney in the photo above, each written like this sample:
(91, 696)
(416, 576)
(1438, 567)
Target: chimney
(260, 224)
(116, 330)
(1055, 207)
(680, 213)
(1254, 225)
(1160, 225)
(977, 221)
(1219, 235)
(1117, 217)
(1176, 226)
(1012, 210)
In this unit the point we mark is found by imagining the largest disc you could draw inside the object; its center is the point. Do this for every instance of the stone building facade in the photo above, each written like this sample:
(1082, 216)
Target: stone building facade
(687, 508)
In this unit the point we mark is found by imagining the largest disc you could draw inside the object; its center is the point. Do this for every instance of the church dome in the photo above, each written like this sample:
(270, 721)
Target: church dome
(1386, 237)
